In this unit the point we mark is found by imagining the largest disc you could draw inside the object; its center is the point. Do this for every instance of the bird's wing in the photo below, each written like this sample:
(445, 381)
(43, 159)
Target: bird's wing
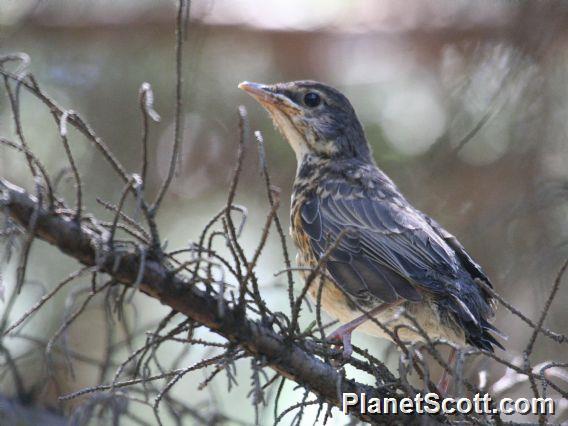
(471, 266)
(389, 250)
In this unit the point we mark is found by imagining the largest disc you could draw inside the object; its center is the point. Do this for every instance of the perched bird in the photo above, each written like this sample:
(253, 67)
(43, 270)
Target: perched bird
(381, 253)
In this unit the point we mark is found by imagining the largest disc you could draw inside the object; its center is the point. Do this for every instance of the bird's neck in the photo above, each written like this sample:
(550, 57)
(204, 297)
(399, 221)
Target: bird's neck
(310, 166)
(313, 165)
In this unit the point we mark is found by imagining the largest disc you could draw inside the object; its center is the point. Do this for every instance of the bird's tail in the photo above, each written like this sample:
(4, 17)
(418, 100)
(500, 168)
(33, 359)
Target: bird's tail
(472, 318)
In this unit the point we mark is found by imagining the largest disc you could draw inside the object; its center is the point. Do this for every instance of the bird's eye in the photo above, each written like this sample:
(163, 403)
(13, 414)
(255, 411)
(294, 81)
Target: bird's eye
(312, 99)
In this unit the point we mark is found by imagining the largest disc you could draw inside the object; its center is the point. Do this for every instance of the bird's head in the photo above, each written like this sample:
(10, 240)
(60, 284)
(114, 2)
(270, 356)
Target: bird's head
(315, 118)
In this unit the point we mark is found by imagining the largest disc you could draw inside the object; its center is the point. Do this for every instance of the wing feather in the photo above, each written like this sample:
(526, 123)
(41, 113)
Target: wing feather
(390, 251)
(393, 251)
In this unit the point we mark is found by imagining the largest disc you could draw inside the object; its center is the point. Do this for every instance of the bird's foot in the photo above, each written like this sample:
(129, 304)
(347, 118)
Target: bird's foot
(342, 336)
(443, 385)
(446, 379)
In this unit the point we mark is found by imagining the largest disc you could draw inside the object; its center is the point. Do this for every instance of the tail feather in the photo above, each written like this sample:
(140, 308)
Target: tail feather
(480, 336)
(469, 312)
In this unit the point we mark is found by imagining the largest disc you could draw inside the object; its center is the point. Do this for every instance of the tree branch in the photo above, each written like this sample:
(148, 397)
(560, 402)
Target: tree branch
(289, 359)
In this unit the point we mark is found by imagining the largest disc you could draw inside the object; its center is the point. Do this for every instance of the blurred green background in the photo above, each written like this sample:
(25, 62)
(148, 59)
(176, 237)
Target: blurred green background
(464, 103)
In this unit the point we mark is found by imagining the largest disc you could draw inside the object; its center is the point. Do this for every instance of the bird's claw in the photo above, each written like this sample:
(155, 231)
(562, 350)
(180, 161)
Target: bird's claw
(443, 385)
(342, 336)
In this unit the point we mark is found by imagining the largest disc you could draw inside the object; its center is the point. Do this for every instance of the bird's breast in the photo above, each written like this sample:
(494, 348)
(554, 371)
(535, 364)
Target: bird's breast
(300, 237)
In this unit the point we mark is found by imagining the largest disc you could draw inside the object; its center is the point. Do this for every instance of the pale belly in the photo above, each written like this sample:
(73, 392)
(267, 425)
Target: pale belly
(336, 304)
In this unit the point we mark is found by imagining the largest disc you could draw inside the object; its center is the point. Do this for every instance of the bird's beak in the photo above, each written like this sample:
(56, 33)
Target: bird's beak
(257, 90)
(269, 98)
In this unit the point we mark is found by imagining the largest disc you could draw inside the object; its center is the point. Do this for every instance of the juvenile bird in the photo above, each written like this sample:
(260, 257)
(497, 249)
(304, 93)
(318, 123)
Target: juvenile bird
(381, 253)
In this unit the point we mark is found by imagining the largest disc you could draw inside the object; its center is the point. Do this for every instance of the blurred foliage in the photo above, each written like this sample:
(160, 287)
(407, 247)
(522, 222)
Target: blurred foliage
(465, 104)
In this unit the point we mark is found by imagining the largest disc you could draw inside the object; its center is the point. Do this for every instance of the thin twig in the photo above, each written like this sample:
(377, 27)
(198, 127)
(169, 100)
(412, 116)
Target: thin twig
(178, 124)
(78, 185)
(45, 298)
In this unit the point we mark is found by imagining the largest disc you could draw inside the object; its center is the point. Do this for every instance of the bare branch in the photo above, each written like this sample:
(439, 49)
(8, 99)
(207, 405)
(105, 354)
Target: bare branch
(289, 359)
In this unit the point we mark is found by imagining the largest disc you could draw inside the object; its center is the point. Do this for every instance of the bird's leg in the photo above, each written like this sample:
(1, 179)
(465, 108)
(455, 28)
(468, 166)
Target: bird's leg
(444, 382)
(343, 333)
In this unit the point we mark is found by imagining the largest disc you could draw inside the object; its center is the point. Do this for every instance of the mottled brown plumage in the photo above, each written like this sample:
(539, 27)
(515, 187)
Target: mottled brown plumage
(390, 255)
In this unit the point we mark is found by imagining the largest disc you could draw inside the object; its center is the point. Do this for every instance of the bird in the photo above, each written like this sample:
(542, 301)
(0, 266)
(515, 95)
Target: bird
(379, 253)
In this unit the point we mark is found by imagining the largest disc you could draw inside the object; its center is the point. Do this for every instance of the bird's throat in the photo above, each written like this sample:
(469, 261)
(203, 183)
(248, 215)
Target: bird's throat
(291, 133)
